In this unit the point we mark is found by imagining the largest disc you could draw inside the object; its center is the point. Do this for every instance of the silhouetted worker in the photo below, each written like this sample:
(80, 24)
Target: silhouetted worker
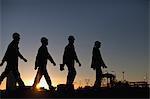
(97, 63)
(41, 62)
(11, 57)
(68, 58)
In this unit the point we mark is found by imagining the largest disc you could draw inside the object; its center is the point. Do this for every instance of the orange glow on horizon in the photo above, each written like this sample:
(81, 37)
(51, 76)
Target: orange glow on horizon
(42, 83)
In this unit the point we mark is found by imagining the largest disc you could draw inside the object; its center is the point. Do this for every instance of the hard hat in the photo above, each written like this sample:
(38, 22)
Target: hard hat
(15, 35)
(44, 39)
(71, 37)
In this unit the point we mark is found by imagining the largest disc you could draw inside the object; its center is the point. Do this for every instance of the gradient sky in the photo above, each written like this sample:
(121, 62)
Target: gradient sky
(121, 26)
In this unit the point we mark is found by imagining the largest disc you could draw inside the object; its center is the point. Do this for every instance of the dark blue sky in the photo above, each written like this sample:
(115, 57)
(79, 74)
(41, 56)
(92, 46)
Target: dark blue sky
(121, 26)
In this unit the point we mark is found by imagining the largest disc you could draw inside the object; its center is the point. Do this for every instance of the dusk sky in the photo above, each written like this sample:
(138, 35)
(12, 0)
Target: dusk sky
(121, 26)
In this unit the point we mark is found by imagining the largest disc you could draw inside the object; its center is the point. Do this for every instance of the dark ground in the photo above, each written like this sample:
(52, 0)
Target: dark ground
(79, 93)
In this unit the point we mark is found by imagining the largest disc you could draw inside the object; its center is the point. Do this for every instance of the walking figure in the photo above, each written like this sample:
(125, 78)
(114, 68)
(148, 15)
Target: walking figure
(11, 57)
(69, 57)
(97, 63)
(41, 62)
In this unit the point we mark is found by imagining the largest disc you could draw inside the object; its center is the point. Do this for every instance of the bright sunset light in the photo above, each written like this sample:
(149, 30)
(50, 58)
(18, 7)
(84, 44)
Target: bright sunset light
(42, 84)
